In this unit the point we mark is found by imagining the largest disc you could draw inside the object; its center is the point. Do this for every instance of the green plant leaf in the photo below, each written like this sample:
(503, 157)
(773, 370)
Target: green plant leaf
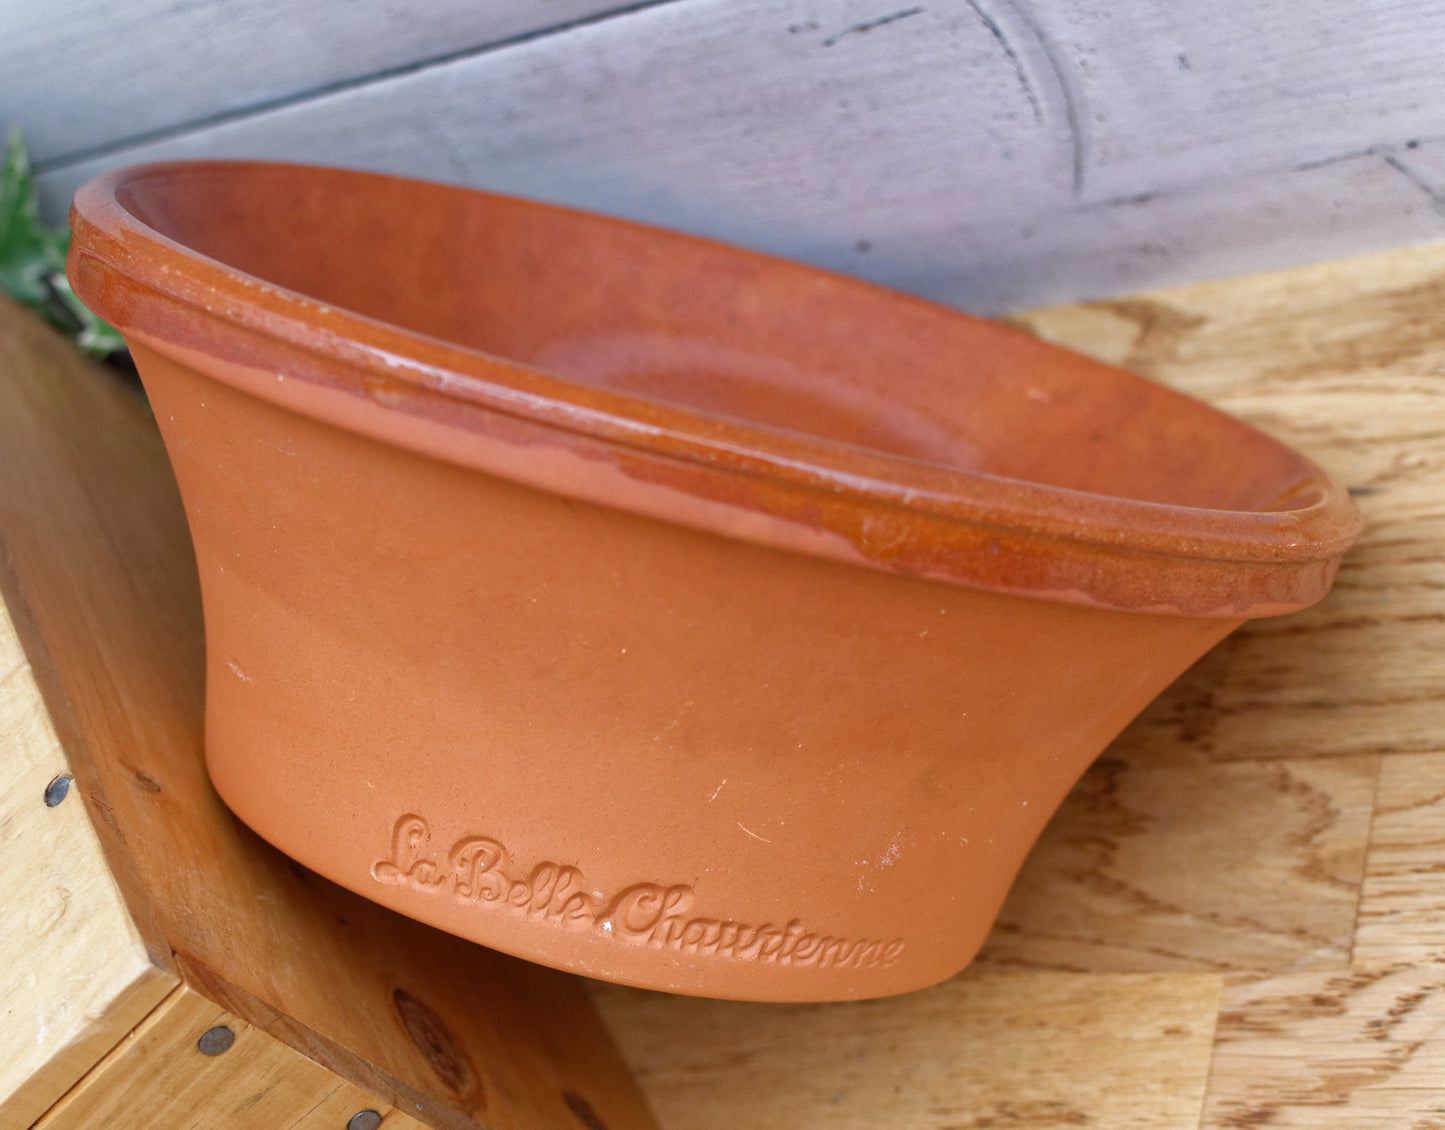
(32, 259)
(93, 336)
(26, 254)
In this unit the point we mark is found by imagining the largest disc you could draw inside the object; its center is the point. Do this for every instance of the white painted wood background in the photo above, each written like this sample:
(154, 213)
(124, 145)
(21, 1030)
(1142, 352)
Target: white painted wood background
(986, 153)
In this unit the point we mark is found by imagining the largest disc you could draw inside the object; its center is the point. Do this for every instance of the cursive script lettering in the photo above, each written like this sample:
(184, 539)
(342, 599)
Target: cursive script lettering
(479, 871)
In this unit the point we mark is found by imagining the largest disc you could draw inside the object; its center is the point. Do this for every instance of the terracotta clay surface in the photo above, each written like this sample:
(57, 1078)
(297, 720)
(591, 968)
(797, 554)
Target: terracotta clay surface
(653, 609)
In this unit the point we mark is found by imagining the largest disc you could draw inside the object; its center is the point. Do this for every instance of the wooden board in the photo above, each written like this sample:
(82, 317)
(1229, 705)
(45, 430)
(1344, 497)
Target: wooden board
(155, 66)
(1360, 1049)
(1240, 866)
(99, 580)
(1425, 164)
(160, 1076)
(74, 973)
(990, 154)
(1247, 889)
(1400, 917)
(1128, 1052)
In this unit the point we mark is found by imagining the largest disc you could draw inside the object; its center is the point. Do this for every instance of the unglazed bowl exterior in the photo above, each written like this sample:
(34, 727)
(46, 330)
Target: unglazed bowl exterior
(654, 609)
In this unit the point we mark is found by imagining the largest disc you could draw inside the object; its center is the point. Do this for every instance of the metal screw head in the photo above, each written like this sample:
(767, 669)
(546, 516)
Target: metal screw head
(216, 1040)
(56, 791)
(364, 1120)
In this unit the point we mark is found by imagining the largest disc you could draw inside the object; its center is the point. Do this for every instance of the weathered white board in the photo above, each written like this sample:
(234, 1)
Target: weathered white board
(1170, 94)
(1425, 165)
(986, 153)
(81, 74)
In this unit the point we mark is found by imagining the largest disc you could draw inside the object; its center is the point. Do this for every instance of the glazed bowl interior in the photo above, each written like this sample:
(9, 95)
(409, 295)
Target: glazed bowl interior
(677, 321)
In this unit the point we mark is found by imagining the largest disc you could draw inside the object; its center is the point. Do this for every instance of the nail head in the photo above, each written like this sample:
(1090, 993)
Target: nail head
(364, 1120)
(216, 1040)
(56, 791)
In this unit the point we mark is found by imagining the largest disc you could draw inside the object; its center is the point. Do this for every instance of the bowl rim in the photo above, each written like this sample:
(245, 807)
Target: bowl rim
(142, 280)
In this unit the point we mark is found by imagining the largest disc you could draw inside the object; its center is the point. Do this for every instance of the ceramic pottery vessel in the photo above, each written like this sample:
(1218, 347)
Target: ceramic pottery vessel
(653, 609)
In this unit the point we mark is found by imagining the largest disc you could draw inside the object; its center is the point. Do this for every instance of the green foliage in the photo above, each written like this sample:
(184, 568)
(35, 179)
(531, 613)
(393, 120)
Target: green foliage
(32, 260)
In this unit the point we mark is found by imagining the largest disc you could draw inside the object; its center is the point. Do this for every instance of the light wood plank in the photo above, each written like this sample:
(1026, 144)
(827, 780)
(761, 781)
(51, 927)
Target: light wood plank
(985, 1049)
(95, 551)
(158, 1077)
(1402, 901)
(154, 65)
(992, 155)
(74, 972)
(1244, 866)
(1342, 360)
(1363, 1050)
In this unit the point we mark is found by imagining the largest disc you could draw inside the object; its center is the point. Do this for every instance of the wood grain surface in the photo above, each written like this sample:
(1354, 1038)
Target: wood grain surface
(1127, 1051)
(155, 66)
(986, 153)
(1362, 1048)
(1239, 866)
(74, 972)
(1248, 888)
(1401, 920)
(99, 579)
(159, 1076)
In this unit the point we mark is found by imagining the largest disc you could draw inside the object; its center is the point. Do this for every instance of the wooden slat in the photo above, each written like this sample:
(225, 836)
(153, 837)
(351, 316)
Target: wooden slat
(1171, 94)
(1243, 866)
(158, 1077)
(1402, 902)
(154, 65)
(99, 566)
(1426, 164)
(74, 973)
(990, 154)
(1022, 1050)
(1363, 1050)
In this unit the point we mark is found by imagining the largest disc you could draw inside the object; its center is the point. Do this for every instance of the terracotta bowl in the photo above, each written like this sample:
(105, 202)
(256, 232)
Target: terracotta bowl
(653, 609)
